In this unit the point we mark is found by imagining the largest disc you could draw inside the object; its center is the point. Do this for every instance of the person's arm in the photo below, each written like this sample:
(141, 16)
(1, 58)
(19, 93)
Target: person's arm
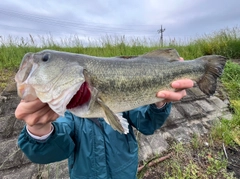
(147, 119)
(57, 145)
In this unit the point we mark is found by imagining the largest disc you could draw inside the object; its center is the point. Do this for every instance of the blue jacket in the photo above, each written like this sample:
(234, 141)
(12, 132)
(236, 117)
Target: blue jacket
(92, 151)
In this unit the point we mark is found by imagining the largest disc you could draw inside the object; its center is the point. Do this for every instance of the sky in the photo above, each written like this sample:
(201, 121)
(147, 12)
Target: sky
(181, 19)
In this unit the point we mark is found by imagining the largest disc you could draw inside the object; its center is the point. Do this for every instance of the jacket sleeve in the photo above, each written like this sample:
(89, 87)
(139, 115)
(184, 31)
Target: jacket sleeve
(58, 146)
(147, 119)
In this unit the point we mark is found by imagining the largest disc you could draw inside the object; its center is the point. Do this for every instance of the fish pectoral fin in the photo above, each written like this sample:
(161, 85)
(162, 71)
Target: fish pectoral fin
(94, 97)
(124, 122)
(168, 54)
(116, 121)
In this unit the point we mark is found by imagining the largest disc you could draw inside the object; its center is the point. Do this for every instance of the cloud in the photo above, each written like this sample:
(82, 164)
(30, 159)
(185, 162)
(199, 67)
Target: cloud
(181, 18)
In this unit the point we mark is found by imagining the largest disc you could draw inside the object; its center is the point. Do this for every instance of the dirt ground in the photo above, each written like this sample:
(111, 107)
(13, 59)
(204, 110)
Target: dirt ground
(236, 61)
(159, 170)
(234, 161)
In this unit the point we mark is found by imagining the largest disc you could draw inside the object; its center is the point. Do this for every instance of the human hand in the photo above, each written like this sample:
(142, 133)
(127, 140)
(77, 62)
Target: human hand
(178, 94)
(37, 115)
(169, 96)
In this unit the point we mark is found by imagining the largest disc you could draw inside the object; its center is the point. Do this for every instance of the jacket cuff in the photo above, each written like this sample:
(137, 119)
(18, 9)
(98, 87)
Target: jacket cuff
(30, 137)
(44, 137)
(155, 109)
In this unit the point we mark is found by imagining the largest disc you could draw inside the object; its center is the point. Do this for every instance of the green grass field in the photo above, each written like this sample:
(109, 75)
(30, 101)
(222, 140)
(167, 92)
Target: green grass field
(225, 42)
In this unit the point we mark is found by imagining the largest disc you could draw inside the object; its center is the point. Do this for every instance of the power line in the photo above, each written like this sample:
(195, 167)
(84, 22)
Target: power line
(22, 28)
(97, 27)
(29, 15)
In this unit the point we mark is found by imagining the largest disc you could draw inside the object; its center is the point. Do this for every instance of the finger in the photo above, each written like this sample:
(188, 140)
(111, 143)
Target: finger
(49, 117)
(171, 96)
(41, 116)
(181, 59)
(25, 108)
(182, 84)
(32, 105)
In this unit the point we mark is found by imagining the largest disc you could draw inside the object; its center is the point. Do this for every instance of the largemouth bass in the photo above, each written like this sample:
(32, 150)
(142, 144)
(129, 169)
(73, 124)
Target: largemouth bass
(92, 87)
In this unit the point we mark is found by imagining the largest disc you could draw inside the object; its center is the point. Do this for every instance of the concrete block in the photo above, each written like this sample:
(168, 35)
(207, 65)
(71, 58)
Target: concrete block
(174, 118)
(198, 128)
(189, 110)
(181, 134)
(227, 116)
(205, 106)
(219, 103)
(151, 145)
(197, 93)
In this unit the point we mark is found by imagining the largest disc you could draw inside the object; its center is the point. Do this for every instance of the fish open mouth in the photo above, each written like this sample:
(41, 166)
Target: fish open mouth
(82, 96)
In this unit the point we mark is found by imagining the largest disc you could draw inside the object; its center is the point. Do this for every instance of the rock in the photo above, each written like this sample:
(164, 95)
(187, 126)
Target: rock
(151, 145)
(25, 171)
(7, 127)
(56, 170)
(10, 155)
(206, 144)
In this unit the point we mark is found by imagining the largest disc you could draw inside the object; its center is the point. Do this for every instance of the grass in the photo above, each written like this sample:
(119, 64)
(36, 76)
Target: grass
(229, 131)
(200, 162)
(202, 158)
(225, 42)
(183, 165)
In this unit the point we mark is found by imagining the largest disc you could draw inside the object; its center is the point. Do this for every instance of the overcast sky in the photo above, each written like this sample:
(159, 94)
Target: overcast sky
(139, 18)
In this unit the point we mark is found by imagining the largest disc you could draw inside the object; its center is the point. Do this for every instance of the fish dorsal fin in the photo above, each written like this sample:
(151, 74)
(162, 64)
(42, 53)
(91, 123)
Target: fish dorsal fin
(166, 54)
(127, 56)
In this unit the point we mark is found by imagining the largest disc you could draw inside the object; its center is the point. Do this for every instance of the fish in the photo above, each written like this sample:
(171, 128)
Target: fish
(94, 87)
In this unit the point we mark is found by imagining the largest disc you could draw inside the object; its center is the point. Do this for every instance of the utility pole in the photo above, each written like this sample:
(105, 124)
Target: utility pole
(160, 31)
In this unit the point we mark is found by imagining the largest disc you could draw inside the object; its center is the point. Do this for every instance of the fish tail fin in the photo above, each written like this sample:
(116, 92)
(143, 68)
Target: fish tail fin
(214, 66)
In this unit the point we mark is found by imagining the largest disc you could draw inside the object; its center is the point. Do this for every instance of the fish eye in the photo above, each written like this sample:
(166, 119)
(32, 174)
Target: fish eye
(45, 57)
